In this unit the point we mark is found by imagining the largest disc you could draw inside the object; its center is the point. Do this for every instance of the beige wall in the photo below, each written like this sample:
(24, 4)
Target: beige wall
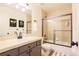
(29, 15)
(36, 15)
(45, 23)
(5, 14)
(59, 11)
(75, 22)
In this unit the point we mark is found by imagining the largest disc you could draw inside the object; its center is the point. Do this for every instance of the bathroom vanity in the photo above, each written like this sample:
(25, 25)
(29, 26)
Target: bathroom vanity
(29, 46)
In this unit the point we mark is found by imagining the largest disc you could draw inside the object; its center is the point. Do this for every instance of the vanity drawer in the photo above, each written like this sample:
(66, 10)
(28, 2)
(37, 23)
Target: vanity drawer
(23, 48)
(32, 45)
(38, 42)
(13, 52)
(25, 53)
(26, 47)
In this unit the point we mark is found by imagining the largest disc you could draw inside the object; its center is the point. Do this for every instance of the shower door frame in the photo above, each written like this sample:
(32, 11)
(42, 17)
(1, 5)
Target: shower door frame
(54, 33)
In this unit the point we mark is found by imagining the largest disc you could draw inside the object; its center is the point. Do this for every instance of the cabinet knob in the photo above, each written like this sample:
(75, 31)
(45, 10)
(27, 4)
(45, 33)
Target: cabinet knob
(28, 46)
(30, 50)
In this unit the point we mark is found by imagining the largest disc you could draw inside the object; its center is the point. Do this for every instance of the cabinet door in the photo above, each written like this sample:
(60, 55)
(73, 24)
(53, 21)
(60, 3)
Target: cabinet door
(38, 43)
(24, 54)
(13, 52)
(26, 47)
(35, 51)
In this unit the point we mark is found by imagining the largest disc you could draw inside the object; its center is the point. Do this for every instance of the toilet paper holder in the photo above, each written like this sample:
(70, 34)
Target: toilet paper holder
(74, 43)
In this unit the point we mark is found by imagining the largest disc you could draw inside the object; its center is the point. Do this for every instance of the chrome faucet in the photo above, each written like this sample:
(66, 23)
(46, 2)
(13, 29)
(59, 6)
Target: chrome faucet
(16, 33)
(20, 35)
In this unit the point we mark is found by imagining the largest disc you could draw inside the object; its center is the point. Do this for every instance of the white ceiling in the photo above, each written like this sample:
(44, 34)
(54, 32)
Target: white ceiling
(19, 6)
(46, 7)
(49, 7)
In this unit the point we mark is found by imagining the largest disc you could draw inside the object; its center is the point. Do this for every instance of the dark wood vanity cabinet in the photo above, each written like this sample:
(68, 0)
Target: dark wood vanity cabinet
(35, 51)
(13, 52)
(25, 53)
(31, 49)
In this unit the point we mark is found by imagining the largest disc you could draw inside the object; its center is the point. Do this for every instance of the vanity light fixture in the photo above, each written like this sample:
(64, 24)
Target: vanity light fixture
(24, 6)
(23, 9)
(21, 6)
(8, 3)
(17, 6)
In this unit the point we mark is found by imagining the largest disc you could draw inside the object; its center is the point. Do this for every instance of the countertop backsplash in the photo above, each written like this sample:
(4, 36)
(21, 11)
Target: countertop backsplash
(13, 36)
(5, 37)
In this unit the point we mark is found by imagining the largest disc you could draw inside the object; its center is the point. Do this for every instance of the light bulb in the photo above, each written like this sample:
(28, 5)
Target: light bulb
(22, 4)
(8, 3)
(17, 6)
(23, 9)
(49, 21)
(27, 7)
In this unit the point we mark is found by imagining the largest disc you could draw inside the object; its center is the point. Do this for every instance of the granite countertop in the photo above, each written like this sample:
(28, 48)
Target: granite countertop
(14, 43)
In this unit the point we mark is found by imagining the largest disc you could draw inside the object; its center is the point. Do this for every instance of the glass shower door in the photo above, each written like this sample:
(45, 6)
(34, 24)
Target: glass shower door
(48, 31)
(63, 30)
(58, 30)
